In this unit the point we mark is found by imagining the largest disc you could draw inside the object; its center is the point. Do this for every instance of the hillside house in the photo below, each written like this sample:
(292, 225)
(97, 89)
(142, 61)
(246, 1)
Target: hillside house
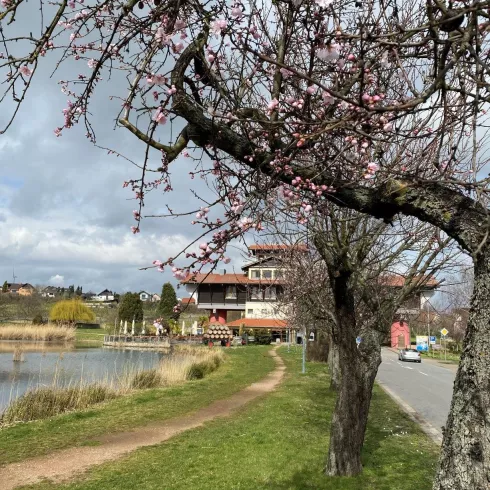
(105, 295)
(144, 296)
(22, 289)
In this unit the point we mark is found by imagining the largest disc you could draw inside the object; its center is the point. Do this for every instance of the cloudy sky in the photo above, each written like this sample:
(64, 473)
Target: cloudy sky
(64, 215)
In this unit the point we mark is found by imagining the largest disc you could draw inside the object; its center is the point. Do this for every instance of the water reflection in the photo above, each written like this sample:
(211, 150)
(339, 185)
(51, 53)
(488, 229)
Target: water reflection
(44, 364)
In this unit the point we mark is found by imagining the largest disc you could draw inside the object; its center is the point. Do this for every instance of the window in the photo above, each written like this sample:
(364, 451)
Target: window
(255, 293)
(270, 293)
(250, 312)
(230, 292)
(267, 274)
(255, 274)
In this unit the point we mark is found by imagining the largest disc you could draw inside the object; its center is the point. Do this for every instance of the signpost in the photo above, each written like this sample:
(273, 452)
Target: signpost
(444, 333)
(432, 340)
(422, 342)
(358, 341)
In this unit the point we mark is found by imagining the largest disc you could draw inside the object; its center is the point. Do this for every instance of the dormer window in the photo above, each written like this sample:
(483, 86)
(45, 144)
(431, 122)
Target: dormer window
(267, 274)
(255, 274)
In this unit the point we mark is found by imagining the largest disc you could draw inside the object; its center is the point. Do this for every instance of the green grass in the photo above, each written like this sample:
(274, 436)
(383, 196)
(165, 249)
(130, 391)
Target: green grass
(242, 366)
(276, 443)
(90, 337)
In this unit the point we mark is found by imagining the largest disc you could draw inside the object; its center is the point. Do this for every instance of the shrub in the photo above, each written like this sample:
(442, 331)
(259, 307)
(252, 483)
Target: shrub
(38, 319)
(262, 337)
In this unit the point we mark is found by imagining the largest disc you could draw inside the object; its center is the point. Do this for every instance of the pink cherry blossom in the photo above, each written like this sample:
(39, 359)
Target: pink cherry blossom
(92, 63)
(388, 127)
(237, 12)
(227, 260)
(218, 25)
(178, 48)
(179, 24)
(159, 117)
(311, 89)
(273, 104)
(203, 246)
(329, 53)
(25, 70)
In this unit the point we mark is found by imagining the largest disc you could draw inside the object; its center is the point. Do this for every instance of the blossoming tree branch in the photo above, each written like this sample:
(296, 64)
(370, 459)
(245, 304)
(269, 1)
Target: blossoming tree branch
(376, 105)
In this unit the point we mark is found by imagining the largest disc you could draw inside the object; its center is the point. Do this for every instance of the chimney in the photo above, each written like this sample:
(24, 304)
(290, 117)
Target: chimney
(223, 271)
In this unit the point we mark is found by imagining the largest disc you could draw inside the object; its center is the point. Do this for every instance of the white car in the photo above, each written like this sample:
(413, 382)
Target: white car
(409, 355)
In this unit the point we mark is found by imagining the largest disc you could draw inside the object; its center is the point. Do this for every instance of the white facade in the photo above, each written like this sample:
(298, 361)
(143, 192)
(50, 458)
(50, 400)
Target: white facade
(144, 296)
(264, 309)
(426, 296)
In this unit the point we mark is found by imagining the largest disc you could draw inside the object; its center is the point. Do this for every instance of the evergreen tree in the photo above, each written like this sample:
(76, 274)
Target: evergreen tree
(5, 287)
(167, 302)
(131, 307)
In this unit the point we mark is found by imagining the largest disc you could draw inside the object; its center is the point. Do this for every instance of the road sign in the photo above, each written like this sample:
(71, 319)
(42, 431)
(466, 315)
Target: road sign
(444, 332)
(432, 340)
(422, 343)
(358, 340)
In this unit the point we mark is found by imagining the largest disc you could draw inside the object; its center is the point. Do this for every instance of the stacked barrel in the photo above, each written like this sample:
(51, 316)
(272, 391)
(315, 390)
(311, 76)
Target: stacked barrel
(218, 332)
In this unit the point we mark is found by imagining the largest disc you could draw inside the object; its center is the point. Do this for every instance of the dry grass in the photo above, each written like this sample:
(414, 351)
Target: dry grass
(39, 333)
(45, 402)
(185, 364)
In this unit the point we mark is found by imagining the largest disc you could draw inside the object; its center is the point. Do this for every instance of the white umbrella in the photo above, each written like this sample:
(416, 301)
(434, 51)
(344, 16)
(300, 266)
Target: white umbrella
(143, 331)
(125, 327)
(132, 328)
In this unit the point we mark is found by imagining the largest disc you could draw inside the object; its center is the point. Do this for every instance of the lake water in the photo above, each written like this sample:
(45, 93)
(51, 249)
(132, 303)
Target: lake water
(42, 363)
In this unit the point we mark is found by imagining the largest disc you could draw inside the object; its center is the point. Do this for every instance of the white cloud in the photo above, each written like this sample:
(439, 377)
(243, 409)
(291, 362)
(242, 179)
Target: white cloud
(57, 280)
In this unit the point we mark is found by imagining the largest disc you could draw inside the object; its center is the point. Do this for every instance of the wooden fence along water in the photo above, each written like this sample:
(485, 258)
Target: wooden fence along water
(147, 341)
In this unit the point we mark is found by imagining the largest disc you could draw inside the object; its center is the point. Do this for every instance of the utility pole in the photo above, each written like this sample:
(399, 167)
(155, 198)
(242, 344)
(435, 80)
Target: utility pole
(303, 369)
(428, 327)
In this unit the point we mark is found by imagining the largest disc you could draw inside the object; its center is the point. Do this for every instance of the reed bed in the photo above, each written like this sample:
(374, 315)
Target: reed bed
(39, 333)
(45, 402)
(187, 363)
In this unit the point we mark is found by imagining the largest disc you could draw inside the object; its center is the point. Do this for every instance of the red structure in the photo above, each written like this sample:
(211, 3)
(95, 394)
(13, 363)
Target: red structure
(218, 317)
(400, 335)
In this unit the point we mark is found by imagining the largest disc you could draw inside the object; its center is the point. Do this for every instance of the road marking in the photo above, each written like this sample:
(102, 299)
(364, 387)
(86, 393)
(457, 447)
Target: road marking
(407, 367)
(423, 373)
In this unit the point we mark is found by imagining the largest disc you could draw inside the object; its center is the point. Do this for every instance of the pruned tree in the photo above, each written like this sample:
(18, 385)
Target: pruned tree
(379, 107)
(359, 257)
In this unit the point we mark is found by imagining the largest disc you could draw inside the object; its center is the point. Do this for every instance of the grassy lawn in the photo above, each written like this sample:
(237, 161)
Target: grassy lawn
(242, 367)
(278, 442)
(90, 337)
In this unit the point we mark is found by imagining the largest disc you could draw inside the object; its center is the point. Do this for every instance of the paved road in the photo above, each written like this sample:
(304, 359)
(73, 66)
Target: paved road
(426, 387)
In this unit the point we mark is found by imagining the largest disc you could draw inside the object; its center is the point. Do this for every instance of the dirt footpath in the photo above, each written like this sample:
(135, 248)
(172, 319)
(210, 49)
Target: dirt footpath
(64, 464)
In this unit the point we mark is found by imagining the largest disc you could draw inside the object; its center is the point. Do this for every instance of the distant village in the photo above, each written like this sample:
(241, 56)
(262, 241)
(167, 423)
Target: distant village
(51, 292)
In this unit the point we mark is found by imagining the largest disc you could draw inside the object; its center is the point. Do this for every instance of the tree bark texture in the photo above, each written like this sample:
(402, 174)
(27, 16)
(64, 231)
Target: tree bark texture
(465, 456)
(357, 374)
(333, 366)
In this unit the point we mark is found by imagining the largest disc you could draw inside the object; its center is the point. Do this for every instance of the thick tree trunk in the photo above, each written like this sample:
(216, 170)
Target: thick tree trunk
(357, 375)
(334, 366)
(358, 368)
(465, 457)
